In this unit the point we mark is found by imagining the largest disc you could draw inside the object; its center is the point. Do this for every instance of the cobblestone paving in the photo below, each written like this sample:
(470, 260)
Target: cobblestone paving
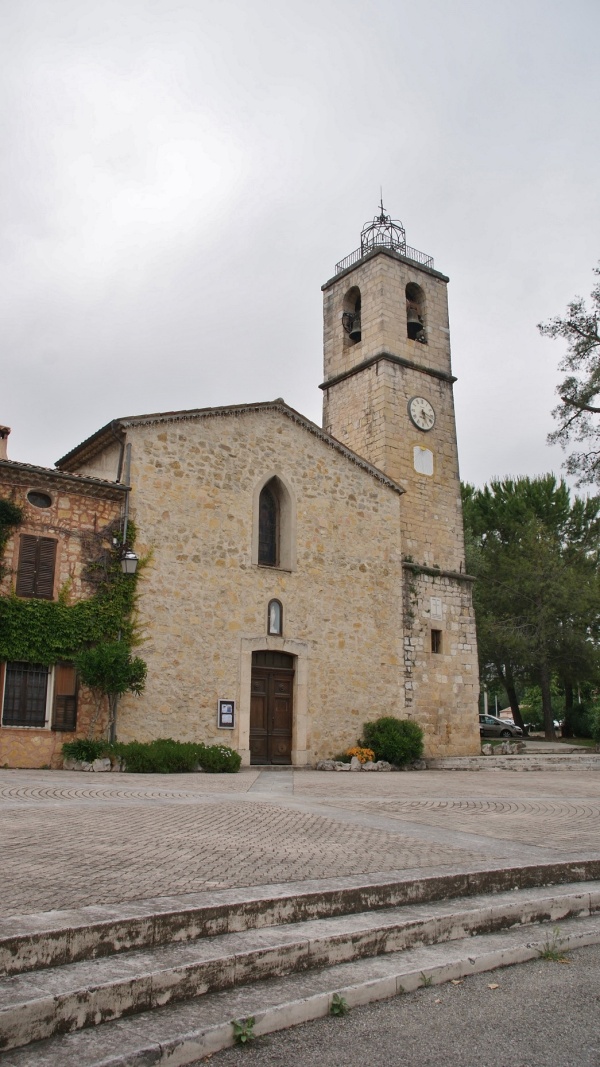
(68, 839)
(548, 822)
(493, 783)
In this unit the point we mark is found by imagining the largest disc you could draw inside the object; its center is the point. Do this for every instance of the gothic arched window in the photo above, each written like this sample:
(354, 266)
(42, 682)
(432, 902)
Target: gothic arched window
(274, 525)
(268, 527)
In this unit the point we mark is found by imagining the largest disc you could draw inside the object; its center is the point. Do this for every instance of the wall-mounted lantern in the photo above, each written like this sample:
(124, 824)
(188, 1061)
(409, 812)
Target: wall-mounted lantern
(129, 561)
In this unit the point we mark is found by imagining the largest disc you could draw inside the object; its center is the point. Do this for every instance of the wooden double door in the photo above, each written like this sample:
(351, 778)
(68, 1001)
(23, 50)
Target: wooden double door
(271, 708)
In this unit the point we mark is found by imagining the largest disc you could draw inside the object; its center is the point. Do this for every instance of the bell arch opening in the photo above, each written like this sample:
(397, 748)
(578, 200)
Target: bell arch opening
(415, 313)
(351, 316)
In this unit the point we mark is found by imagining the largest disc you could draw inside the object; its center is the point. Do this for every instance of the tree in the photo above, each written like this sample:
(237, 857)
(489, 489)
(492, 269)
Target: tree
(537, 599)
(579, 408)
(110, 670)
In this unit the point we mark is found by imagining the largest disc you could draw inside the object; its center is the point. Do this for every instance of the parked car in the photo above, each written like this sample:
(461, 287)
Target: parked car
(490, 726)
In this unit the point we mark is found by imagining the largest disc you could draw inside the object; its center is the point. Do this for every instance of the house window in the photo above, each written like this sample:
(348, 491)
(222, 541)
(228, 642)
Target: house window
(436, 640)
(275, 618)
(35, 571)
(64, 710)
(268, 527)
(39, 500)
(25, 695)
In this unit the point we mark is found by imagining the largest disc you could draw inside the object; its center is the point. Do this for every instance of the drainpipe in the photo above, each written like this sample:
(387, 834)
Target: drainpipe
(126, 481)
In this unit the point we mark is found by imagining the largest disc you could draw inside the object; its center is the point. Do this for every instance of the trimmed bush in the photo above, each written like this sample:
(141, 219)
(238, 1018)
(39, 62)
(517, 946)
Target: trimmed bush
(166, 756)
(398, 741)
(163, 756)
(218, 759)
(84, 749)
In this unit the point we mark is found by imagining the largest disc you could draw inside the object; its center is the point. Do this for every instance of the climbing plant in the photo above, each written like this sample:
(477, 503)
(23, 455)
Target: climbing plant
(47, 631)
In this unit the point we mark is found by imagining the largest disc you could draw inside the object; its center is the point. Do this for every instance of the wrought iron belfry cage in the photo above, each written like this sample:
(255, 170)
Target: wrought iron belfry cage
(383, 232)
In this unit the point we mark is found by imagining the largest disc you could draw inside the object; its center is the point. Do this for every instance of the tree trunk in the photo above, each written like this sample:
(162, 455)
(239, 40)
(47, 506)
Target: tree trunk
(547, 702)
(567, 729)
(506, 677)
(98, 702)
(113, 700)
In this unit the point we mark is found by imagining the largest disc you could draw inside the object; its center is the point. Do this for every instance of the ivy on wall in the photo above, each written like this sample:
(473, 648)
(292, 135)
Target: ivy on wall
(47, 631)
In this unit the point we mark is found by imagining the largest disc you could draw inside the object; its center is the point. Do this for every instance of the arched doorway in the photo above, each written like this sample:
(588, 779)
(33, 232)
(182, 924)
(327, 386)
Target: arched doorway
(271, 707)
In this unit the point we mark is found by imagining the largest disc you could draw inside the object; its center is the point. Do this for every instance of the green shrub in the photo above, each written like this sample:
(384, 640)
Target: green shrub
(398, 741)
(162, 756)
(84, 749)
(166, 756)
(218, 759)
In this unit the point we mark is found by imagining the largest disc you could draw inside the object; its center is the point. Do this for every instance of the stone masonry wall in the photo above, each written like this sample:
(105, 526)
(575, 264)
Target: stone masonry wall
(382, 280)
(441, 688)
(368, 413)
(203, 603)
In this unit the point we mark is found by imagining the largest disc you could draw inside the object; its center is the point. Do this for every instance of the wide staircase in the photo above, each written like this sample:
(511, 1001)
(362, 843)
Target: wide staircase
(160, 981)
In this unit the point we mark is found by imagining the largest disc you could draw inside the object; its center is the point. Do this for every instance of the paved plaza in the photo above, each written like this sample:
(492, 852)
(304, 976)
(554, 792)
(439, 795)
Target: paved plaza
(69, 839)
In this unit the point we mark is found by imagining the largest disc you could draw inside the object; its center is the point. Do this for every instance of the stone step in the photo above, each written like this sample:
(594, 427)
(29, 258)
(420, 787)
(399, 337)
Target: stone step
(34, 1006)
(51, 939)
(183, 1033)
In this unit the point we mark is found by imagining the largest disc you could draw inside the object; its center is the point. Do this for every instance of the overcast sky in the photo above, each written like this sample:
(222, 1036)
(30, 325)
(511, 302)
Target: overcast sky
(179, 177)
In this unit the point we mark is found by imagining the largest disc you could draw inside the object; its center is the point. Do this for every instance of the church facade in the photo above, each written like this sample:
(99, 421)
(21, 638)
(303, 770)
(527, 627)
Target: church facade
(303, 580)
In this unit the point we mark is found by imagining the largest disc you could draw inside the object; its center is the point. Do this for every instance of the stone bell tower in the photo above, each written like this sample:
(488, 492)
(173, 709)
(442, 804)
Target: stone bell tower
(387, 394)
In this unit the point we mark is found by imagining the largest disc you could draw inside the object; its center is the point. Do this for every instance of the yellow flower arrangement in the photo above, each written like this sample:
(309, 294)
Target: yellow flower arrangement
(365, 755)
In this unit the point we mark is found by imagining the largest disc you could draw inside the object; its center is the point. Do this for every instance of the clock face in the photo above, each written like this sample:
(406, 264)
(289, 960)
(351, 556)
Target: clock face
(421, 413)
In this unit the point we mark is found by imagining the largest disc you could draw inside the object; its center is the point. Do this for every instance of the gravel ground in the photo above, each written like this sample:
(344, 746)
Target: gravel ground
(543, 1014)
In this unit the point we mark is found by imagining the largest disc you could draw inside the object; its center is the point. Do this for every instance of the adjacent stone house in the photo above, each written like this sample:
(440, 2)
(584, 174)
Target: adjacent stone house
(63, 519)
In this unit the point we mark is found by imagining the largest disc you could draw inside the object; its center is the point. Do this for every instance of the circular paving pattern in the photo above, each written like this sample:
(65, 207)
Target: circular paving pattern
(69, 839)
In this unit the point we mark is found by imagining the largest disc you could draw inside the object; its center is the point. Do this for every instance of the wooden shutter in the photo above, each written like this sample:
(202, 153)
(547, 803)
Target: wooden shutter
(35, 573)
(64, 712)
(26, 569)
(44, 584)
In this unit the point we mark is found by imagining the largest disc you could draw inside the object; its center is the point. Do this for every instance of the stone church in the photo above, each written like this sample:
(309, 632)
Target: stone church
(303, 580)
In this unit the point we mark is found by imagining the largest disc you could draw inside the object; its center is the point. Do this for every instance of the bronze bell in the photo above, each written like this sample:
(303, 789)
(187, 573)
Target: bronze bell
(413, 322)
(355, 333)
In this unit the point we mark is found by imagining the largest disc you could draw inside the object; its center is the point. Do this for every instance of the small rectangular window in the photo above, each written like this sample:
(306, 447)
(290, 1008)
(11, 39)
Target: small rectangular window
(35, 571)
(436, 640)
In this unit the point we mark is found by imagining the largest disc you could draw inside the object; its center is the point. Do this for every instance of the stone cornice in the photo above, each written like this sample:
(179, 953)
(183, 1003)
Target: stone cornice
(388, 357)
(382, 251)
(437, 572)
